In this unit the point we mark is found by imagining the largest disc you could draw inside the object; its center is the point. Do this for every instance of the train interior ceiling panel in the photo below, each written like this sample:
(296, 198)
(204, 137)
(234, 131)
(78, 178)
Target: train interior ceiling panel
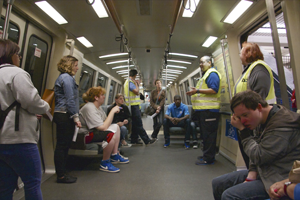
(161, 39)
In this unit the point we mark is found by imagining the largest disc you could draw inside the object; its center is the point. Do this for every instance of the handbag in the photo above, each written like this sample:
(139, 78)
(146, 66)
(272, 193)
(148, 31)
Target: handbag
(48, 96)
(150, 110)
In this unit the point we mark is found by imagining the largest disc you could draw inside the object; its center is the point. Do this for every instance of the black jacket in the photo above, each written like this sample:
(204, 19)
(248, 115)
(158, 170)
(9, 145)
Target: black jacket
(122, 115)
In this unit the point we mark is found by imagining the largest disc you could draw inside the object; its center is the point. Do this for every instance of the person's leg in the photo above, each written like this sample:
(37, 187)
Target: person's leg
(24, 161)
(134, 132)
(221, 183)
(137, 125)
(124, 133)
(167, 123)
(157, 123)
(64, 133)
(194, 133)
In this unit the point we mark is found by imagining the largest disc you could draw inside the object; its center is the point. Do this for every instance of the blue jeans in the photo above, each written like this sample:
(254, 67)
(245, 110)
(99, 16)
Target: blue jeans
(20, 160)
(186, 124)
(124, 132)
(231, 186)
(157, 123)
(137, 126)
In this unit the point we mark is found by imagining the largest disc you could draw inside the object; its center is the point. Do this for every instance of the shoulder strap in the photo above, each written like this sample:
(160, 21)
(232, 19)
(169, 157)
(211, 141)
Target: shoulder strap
(158, 96)
(17, 116)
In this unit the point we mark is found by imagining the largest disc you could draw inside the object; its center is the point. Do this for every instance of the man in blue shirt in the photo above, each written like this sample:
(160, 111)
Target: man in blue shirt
(177, 115)
(206, 104)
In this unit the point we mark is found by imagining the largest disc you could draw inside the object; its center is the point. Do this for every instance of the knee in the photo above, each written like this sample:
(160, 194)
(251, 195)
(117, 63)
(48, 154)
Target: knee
(165, 121)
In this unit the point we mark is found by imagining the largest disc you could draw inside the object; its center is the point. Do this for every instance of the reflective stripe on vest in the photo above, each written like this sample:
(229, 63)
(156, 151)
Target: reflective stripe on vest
(242, 84)
(206, 101)
(133, 98)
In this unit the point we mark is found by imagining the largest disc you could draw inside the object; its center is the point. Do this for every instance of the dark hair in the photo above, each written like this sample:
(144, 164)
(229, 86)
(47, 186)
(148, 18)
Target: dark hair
(177, 97)
(133, 72)
(156, 81)
(65, 65)
(252, 52)
(249, 98)
(7, 50)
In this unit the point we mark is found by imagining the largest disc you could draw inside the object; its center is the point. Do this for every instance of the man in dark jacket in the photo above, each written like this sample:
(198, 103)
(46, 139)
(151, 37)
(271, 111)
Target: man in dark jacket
(122, 118)
(271, 154)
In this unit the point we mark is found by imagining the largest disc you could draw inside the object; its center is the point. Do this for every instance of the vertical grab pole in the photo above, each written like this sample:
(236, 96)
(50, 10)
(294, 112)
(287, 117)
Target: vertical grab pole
(6, 23)
(278, 56)
(129, 81)
(226, 67)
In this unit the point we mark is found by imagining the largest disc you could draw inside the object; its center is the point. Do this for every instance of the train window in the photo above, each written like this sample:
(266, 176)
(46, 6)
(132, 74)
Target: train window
(13, 31)
(119, 88)
(112, 90)
(101, 81)
(187, 88)
(86, 81)
(261, 35)
(182, 93)
(196, 78)
(36, 60)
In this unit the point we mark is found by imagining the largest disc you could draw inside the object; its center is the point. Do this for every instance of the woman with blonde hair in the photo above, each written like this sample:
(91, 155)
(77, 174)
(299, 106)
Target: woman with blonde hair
(19, 153)
(65, 114)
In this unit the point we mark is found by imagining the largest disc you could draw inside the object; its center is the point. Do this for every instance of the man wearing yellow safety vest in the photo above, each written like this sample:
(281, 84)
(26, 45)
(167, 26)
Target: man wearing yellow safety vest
(132, 96)
(256, 76)
(206, 105)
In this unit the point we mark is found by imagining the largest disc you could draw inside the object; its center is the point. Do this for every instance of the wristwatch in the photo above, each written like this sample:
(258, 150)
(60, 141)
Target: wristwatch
(285, 186)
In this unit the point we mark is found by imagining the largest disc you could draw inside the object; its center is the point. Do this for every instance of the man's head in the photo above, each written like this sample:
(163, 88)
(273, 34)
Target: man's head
(205, 63)
(96, 94)
(133, 73)
(177, 100)
(250, 53)
(248, 106)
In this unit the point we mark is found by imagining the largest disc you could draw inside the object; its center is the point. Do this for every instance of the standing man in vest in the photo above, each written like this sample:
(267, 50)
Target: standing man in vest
(206, 104)
(132, 95)
(257, 76)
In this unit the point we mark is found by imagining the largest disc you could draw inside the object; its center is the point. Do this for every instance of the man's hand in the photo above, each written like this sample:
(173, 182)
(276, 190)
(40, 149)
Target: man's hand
(116, 109)
(276, 191)
(236, 122)
(125, 121)
(192, 91)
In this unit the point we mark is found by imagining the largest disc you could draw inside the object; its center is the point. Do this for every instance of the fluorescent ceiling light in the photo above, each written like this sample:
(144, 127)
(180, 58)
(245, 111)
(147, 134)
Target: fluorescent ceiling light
(239, 9)
(114, 62)
(85, 42)
(99, 8)
(170, 82)
(113, 55)
(190, 8)
(180, 61)
(175, 66)
(174, 75)
(268, 30)
(209, 41)
(13, 29)
(49, 10)
(184, 55)
(171, 70)
(121, 71)
(124, 75)
(123, 66)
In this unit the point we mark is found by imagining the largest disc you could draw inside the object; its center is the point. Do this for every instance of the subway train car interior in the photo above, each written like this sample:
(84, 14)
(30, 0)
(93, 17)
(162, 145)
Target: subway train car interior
(161, 39)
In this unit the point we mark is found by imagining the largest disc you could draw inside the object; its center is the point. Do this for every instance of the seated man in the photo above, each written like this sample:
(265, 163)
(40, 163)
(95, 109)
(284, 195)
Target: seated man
(121, 118)
(177, 115)
(271, 154)
(98, 128)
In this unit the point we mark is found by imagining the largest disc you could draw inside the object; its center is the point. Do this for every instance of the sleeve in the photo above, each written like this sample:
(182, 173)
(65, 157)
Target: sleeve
(273, 146)
(213, 81)
(259, 80)
(297, 192)
(26, 94)
(162, 98)
(68, 84)
(131, 86)
(152, 100)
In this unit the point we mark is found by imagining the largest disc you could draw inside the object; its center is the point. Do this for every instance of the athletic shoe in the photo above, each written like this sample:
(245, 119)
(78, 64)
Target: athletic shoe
(203, 162)
(67, 179)
(186, 145)
(195, 145)
(137, 143)
(152, 141)
(126, 145)
(201, 158)
(118, 159)
(106, 166)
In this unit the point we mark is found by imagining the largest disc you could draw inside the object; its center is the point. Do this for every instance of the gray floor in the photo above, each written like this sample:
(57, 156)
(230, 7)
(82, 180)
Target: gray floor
(154, 172)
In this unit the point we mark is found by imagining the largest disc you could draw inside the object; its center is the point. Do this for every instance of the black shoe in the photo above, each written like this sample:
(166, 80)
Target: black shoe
(67, 179)
(137, 143)
(201, 158)
(152, 141)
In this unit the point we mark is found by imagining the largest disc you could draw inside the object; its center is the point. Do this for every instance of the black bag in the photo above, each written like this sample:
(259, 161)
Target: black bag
(4, 113)
(150, 110)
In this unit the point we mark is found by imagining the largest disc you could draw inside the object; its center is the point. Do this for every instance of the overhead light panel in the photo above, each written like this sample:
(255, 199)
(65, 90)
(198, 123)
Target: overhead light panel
(85, 42)
(175, 66)
(209, 41)
(184, 55)
(239, 9)
(122, 66)
(169, 74)
(113, 55)
(190, 8)
(49, 10)
(99, 8)
(180, 61)
(114, 62)
(171, 70)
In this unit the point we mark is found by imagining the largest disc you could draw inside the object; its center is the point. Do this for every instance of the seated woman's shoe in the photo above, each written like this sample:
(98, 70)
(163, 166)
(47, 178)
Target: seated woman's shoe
(66, 179)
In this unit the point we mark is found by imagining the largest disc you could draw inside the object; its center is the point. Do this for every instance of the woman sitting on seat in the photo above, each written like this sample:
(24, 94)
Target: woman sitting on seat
(98, 128)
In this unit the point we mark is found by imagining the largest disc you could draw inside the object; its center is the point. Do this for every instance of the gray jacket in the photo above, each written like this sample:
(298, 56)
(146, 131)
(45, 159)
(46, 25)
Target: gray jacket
(277, 148)
(16, 84)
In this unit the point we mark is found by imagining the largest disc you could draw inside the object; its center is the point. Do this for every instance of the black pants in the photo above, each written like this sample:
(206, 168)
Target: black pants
(137, 126)
(158, 121)
(208, 122)
(65, 128)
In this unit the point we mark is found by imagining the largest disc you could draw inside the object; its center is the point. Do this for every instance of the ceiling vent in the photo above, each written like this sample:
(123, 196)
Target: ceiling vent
(144, 7)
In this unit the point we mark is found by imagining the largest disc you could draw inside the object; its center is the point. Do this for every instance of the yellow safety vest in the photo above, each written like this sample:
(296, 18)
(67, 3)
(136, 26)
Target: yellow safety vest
(133, 98)
(242, 83)
(206, 101)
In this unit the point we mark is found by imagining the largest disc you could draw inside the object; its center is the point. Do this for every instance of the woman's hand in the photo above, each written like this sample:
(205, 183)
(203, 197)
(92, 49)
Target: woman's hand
(125, 121)
(116, 109)
(78, 124)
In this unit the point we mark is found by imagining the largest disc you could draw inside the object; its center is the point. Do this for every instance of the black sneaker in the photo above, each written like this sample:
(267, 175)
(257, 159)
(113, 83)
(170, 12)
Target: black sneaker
(152, 141)
(67, 179)
(137, 143)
